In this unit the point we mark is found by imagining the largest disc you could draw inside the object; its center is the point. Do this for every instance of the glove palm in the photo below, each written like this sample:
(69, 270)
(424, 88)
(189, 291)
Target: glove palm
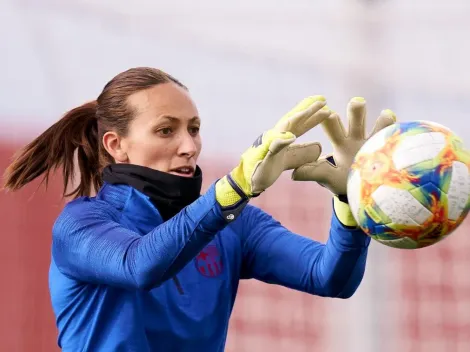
(270, 155)
(331, 171)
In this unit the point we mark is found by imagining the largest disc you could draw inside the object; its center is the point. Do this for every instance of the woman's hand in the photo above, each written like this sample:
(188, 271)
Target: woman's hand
(270, 155)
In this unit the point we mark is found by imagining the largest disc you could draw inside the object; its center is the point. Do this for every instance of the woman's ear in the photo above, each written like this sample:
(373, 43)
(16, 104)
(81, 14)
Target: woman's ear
(115, 146)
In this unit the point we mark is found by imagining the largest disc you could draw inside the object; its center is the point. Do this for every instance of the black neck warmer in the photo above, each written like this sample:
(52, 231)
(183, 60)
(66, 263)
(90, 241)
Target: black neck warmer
(168, 193)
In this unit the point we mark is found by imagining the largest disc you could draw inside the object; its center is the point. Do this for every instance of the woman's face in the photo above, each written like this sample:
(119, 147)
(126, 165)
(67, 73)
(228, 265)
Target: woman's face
(164, 134)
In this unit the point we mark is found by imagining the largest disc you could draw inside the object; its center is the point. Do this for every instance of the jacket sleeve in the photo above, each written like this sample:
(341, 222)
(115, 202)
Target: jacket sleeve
(275, 255)
(88, 243)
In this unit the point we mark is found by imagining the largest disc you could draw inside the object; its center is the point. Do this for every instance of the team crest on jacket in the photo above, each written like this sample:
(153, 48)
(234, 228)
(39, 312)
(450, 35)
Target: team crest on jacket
(209, 261)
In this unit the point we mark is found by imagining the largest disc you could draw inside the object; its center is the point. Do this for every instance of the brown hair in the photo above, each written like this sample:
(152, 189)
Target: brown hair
(81, 131)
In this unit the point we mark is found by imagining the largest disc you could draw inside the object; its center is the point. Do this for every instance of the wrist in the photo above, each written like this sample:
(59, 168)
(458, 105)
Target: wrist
(343, 211)
(230, 197)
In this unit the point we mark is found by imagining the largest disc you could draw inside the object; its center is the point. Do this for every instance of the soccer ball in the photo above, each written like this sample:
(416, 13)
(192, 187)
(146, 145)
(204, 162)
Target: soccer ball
(409, 185)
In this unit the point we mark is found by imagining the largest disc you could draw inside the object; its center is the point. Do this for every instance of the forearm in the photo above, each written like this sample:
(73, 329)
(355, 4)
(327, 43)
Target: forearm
(273, 254)
(342, 261)
(178, 241)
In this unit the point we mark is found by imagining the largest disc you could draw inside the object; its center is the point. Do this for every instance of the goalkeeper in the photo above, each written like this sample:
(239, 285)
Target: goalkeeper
(149, 264)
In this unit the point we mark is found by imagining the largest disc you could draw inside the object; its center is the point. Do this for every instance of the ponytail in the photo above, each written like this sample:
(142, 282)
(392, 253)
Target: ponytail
(77, 132)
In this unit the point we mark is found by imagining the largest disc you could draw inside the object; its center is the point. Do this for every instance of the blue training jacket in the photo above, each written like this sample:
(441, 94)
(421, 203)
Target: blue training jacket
(121, 279)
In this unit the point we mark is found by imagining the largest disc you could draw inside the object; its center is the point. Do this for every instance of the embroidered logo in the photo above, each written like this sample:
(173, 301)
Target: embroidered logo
(209, 261)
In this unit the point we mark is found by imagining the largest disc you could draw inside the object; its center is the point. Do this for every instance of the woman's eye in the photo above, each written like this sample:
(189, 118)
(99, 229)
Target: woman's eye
(165, 131)
(194, 130)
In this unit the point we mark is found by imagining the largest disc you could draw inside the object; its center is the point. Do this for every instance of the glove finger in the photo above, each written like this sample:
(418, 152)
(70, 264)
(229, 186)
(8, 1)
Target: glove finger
(386, 118)
(267, 170)
(298, 120)
(356, 118)
(317, 171)
(313, 120)
(334, 129)
(301, 154)
(280, 141)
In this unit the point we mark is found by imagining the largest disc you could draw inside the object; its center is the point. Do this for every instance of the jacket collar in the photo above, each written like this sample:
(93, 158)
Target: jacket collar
(168, 193)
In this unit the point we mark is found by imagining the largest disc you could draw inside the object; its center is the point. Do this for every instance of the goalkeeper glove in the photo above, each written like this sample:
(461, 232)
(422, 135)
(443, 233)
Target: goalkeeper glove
(270, 155)
(331, 171)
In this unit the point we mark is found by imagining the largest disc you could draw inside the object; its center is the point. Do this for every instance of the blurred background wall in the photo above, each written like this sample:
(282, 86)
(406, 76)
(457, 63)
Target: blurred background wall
(246, 63)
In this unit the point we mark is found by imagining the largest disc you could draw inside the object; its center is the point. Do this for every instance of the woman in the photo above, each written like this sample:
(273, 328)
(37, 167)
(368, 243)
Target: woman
(149, 264)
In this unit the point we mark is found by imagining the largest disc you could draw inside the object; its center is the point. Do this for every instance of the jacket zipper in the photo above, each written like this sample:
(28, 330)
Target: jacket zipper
(178, 285)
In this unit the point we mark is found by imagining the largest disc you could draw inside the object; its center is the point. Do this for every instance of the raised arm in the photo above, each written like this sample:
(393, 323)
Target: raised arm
(90, 245)
(275, 255)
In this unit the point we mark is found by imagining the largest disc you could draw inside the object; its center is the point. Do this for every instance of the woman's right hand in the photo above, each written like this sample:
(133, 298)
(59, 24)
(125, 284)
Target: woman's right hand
(271, 154)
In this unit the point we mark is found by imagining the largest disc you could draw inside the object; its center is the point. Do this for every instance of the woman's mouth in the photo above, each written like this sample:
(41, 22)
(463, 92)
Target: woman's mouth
(185, 171)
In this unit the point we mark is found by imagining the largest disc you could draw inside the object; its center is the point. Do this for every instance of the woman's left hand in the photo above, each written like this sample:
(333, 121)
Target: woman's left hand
(331, 171)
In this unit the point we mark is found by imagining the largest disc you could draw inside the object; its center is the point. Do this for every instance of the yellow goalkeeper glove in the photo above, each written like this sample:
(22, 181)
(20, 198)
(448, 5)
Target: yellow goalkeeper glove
(331, 171)
(270, 155)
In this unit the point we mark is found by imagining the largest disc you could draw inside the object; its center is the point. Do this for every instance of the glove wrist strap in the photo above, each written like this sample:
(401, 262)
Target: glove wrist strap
(231, 198)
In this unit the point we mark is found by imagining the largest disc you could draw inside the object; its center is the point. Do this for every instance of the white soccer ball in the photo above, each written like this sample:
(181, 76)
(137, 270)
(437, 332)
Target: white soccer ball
(409, 185)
